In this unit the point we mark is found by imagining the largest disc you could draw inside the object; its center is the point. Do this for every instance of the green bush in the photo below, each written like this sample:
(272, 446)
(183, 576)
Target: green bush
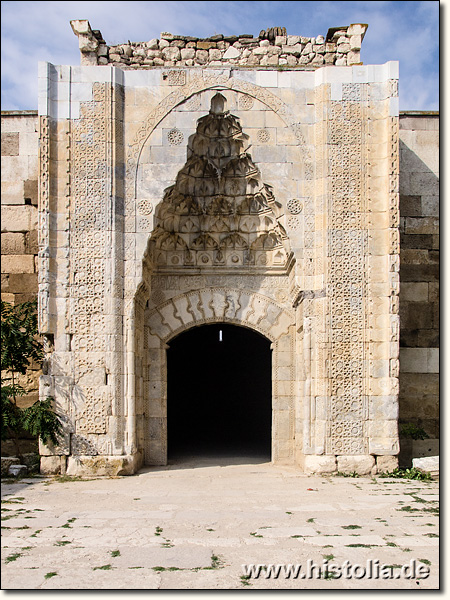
(20, 345)
(413, 432)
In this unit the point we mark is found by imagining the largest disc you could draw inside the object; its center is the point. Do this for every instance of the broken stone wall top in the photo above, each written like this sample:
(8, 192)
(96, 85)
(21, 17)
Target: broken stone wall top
(271, 48)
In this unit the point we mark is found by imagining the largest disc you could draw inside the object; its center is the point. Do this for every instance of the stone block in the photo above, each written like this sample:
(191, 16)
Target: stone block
(414, 291)
(13, 264)
(319, 464)
(10, 144)
(383, 407)
(31, 243)
(231, 53)
(53, 465)
(206, 45)
(12, 192)
(414, 360)
(429, 464)
(13, 243)
(424, 448)
(102, 466)
(18, 470)
(19, 218)
(362, 465)
(421, 225)
(410, 206)
(6, 463)
(23, 283)
(386, 464)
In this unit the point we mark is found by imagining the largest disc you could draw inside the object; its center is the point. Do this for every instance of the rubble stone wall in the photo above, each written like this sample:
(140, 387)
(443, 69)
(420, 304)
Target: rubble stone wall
(419, 271)
(272, 48)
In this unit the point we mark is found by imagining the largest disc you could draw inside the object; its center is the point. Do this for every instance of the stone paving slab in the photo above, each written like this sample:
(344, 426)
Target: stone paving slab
(193, 526)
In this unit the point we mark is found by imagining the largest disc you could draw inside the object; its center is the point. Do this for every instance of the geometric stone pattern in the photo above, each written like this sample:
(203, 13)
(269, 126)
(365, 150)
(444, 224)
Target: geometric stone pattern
(87, 254)
(163, 216)
(347, 251)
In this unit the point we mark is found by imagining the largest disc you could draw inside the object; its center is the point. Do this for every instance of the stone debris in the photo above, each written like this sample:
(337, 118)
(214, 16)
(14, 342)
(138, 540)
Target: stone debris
(7, 462)
(17, 470)
(273, 47)
(429, 464)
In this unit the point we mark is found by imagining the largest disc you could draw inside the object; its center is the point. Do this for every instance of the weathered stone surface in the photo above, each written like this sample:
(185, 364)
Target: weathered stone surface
(52, 465)
(362, 465)
(10, 143)
(195, 526)
(95, 51)
(320, 464)
(6, 463)
(19, 218)
(107, 466)
(13, 243)
(386, 464)
(311, 234)
(429, 464)
(18, 264)
(17, 470)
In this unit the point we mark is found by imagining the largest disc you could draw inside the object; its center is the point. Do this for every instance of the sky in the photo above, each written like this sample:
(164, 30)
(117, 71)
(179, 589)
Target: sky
(407, 31)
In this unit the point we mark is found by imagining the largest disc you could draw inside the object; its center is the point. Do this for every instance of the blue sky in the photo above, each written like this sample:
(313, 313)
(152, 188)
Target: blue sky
(407, 31)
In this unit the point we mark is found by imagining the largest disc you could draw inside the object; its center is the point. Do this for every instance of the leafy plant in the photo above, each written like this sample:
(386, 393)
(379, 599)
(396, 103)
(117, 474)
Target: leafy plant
(20, 346)
(413, 432)
(413, 473)
(352, 474)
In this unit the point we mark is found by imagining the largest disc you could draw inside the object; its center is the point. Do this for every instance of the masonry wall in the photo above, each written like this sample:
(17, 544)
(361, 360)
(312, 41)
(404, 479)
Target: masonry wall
(19, 216)
(419, 271)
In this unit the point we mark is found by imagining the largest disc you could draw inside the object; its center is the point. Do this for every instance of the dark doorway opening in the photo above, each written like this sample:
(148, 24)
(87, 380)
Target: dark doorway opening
(219, 396)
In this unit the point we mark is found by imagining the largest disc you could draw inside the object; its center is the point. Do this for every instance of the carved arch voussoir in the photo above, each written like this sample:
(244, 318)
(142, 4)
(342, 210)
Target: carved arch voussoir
(219, 305)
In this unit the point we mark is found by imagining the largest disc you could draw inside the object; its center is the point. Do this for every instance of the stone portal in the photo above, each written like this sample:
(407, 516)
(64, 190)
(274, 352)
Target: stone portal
(174, 198)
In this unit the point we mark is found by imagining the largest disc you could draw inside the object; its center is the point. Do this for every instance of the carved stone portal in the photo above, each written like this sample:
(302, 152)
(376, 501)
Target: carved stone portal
(265, 199)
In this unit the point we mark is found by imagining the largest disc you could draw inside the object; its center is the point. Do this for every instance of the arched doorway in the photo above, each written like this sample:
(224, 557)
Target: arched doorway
(219, 394)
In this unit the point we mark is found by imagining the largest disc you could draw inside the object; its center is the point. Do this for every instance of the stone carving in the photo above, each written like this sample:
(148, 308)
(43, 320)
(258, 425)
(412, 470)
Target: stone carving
(263, 136)
(218, 252)
(245, 102)
(195, 85)
(145, 207)
(346, 267)
(294, 206)
(219, 212)
(175, 77)
(44, 225)
(194, 103)
(212, 305)
(175, 137)
(87, 251)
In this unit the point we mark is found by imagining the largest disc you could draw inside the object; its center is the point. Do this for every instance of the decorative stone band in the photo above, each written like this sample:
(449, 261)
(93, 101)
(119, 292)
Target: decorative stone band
(341, 47)
(212, 305)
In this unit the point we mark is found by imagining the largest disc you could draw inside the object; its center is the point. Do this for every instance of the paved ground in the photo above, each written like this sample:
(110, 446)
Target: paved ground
(193, 525)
